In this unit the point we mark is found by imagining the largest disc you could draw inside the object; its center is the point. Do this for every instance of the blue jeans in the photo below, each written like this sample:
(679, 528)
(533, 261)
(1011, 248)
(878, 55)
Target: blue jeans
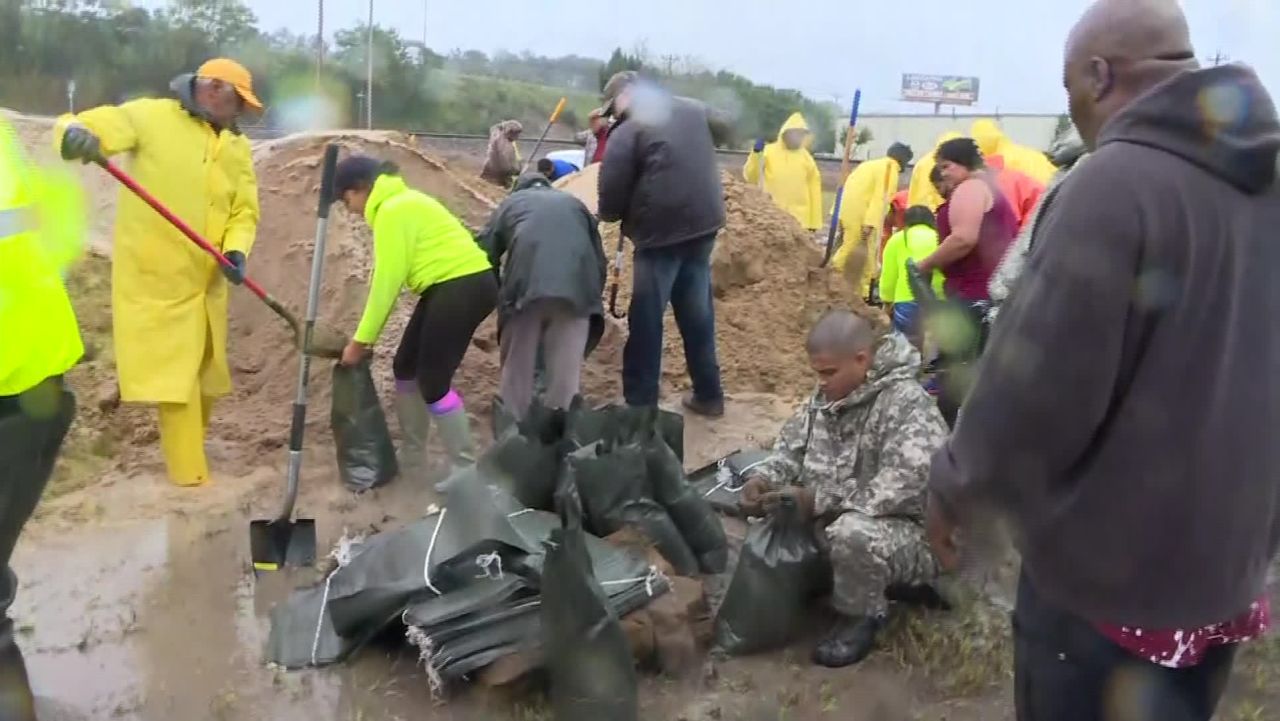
(905, 316)
(679, 275)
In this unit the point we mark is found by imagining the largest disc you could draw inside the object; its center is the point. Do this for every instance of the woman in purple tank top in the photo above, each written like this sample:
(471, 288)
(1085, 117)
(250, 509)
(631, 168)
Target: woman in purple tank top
(981, 227)
(982, 223)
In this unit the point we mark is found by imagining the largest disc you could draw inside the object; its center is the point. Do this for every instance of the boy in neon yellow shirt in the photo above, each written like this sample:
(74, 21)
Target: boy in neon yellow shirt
(918, 239)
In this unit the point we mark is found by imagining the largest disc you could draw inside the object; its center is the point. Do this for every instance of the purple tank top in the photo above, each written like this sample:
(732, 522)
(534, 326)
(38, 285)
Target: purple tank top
(967, 278)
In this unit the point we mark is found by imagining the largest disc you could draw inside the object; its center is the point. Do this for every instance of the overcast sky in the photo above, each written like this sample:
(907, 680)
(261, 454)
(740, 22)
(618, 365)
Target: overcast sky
(824, 48)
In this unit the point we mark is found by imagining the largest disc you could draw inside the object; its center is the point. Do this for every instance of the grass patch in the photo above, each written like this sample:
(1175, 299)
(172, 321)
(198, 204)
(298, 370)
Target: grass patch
(965, 652)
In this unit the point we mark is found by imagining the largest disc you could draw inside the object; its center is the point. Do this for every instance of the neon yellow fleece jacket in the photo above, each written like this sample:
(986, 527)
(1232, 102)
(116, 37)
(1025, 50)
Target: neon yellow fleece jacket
(790, 176)
(417, 243)
(913, 243)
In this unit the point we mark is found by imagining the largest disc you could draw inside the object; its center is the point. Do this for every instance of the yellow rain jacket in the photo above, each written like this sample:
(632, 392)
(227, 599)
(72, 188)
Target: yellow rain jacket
(42, 225)
(168, 297)
(790, 176)
(1028, 161)
(865, 202)
(921, 190)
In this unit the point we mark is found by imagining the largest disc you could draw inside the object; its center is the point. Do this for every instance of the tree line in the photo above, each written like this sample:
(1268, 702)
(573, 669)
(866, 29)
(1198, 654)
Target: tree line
(113, 51)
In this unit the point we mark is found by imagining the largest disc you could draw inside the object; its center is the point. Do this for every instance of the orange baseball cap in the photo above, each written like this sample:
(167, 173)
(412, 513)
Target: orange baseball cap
(235, 75)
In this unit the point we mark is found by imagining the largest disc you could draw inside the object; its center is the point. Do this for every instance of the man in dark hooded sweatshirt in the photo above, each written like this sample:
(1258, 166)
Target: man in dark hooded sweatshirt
(550, 291)
(1123, 422)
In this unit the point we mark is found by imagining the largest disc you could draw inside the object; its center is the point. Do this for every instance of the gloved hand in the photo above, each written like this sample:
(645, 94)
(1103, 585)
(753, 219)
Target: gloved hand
(759, 146)
(803, 498)
(78, 143)
(752, 491)
(235, 272)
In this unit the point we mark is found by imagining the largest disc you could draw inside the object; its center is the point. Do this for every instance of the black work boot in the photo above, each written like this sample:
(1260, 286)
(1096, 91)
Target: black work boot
(849, 642)
(710, 409)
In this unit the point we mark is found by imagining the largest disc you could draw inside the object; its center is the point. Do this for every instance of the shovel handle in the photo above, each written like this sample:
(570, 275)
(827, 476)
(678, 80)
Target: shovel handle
(182, 226)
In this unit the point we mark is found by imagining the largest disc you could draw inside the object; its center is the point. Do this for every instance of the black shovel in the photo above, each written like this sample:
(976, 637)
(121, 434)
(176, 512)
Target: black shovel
(284, 541)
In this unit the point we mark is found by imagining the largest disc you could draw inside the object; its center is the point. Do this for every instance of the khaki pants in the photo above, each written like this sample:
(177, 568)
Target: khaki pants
(563, 336)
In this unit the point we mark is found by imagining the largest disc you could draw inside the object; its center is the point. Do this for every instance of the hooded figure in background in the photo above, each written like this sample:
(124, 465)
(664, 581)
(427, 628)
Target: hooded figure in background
(865, 203)
(999, 152)
(550, 289)
(502, 160)
(922, 190)
(790, 174)
(169, 297)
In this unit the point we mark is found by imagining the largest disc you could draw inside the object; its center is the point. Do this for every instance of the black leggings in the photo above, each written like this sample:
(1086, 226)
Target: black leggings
(440, 330)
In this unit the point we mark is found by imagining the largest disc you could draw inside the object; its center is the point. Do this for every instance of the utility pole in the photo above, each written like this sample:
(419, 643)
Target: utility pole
(319, 42)
(1218, 58)
(424, 31)
(368, 79)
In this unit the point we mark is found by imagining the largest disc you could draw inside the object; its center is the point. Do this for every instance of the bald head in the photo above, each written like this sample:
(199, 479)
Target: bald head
(1118, 50)
(840, 333)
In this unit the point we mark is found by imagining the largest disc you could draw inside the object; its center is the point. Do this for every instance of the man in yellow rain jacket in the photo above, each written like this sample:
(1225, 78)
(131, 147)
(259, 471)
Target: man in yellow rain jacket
(168, 297)
(921, 190)
(790, 175)
(863, 206)
(1028, 161)
(41, 233)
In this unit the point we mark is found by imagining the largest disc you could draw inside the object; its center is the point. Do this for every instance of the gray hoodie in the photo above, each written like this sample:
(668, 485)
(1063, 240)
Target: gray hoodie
(1124, 418)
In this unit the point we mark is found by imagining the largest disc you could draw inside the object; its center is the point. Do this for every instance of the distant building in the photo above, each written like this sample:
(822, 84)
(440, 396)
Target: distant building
(920, 131)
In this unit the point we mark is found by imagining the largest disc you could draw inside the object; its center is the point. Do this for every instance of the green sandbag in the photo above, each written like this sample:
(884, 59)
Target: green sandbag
(366, 453)
(720, 482)
(591, 674)
(613, 484)
(523, 460)
(695, 518)
(620, 424)
(779, 571)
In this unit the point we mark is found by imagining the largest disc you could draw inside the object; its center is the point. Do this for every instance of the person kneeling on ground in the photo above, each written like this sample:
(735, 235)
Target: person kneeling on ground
(550, 291)
(555, 169)
(419, 244)
(855, 458)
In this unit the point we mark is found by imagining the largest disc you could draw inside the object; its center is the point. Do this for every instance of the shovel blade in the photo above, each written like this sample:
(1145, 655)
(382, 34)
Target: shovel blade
(277, 543)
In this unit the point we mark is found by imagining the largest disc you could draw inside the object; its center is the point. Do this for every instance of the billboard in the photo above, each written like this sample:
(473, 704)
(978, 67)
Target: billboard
(948, 89)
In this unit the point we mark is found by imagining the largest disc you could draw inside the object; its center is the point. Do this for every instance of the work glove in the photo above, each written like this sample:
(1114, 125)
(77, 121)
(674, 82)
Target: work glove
(759, 146)
(803, 498)
(78, 143)
(235, 271)
(752, 491)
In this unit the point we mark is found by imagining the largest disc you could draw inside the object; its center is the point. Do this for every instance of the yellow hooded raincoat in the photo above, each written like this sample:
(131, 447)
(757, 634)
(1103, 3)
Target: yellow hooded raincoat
(168, 297)
(1028, 161)
(865, 203)
(921, 190)
(790, 176)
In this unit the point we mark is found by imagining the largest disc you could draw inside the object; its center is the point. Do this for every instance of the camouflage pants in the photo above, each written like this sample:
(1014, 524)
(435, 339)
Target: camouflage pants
(868, 555)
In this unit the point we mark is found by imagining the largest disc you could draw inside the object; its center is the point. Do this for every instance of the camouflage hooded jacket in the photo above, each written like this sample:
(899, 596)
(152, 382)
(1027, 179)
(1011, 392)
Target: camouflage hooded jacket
(868, 452)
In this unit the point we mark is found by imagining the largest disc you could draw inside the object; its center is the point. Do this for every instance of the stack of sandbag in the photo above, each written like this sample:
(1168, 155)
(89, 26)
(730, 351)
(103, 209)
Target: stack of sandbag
(464, 584)
(626, 465)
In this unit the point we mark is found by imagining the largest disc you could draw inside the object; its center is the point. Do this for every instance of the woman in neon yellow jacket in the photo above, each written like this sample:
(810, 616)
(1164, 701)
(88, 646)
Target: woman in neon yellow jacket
(418, 244)
(914, 242)
(790, 174)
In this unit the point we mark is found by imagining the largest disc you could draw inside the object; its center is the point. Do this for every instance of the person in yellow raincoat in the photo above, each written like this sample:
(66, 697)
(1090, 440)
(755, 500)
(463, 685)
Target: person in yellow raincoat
(790, 174)
(169, 297)
(863, 205)
(921, 190)
(1028, 161)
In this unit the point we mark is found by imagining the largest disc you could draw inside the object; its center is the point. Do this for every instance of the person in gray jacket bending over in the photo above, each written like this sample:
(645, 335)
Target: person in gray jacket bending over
(550, 289)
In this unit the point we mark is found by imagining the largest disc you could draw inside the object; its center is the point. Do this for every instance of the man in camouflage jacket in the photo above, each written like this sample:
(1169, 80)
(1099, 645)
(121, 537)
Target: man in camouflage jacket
(855, 456)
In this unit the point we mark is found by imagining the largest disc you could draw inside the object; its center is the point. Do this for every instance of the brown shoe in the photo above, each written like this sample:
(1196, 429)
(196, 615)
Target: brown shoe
(710, 409)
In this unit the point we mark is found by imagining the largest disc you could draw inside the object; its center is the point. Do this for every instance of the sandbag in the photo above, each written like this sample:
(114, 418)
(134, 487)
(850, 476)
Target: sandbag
(619, 424)
(523, 461)
(366, 453)
(780, 568)
(720, 483)
(614, 487)
(588, 661)
(693, 516)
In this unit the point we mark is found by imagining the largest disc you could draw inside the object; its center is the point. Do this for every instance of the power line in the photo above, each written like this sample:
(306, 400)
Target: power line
(1218, 58)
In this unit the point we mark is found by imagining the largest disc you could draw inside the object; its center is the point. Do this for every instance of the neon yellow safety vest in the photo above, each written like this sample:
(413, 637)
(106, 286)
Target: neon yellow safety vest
(41, 233)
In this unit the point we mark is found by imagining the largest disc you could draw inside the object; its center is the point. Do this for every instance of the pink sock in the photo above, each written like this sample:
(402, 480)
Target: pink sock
(447, 404)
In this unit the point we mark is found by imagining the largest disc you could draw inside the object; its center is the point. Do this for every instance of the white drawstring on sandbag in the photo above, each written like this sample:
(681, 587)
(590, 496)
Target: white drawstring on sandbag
(343, 551)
